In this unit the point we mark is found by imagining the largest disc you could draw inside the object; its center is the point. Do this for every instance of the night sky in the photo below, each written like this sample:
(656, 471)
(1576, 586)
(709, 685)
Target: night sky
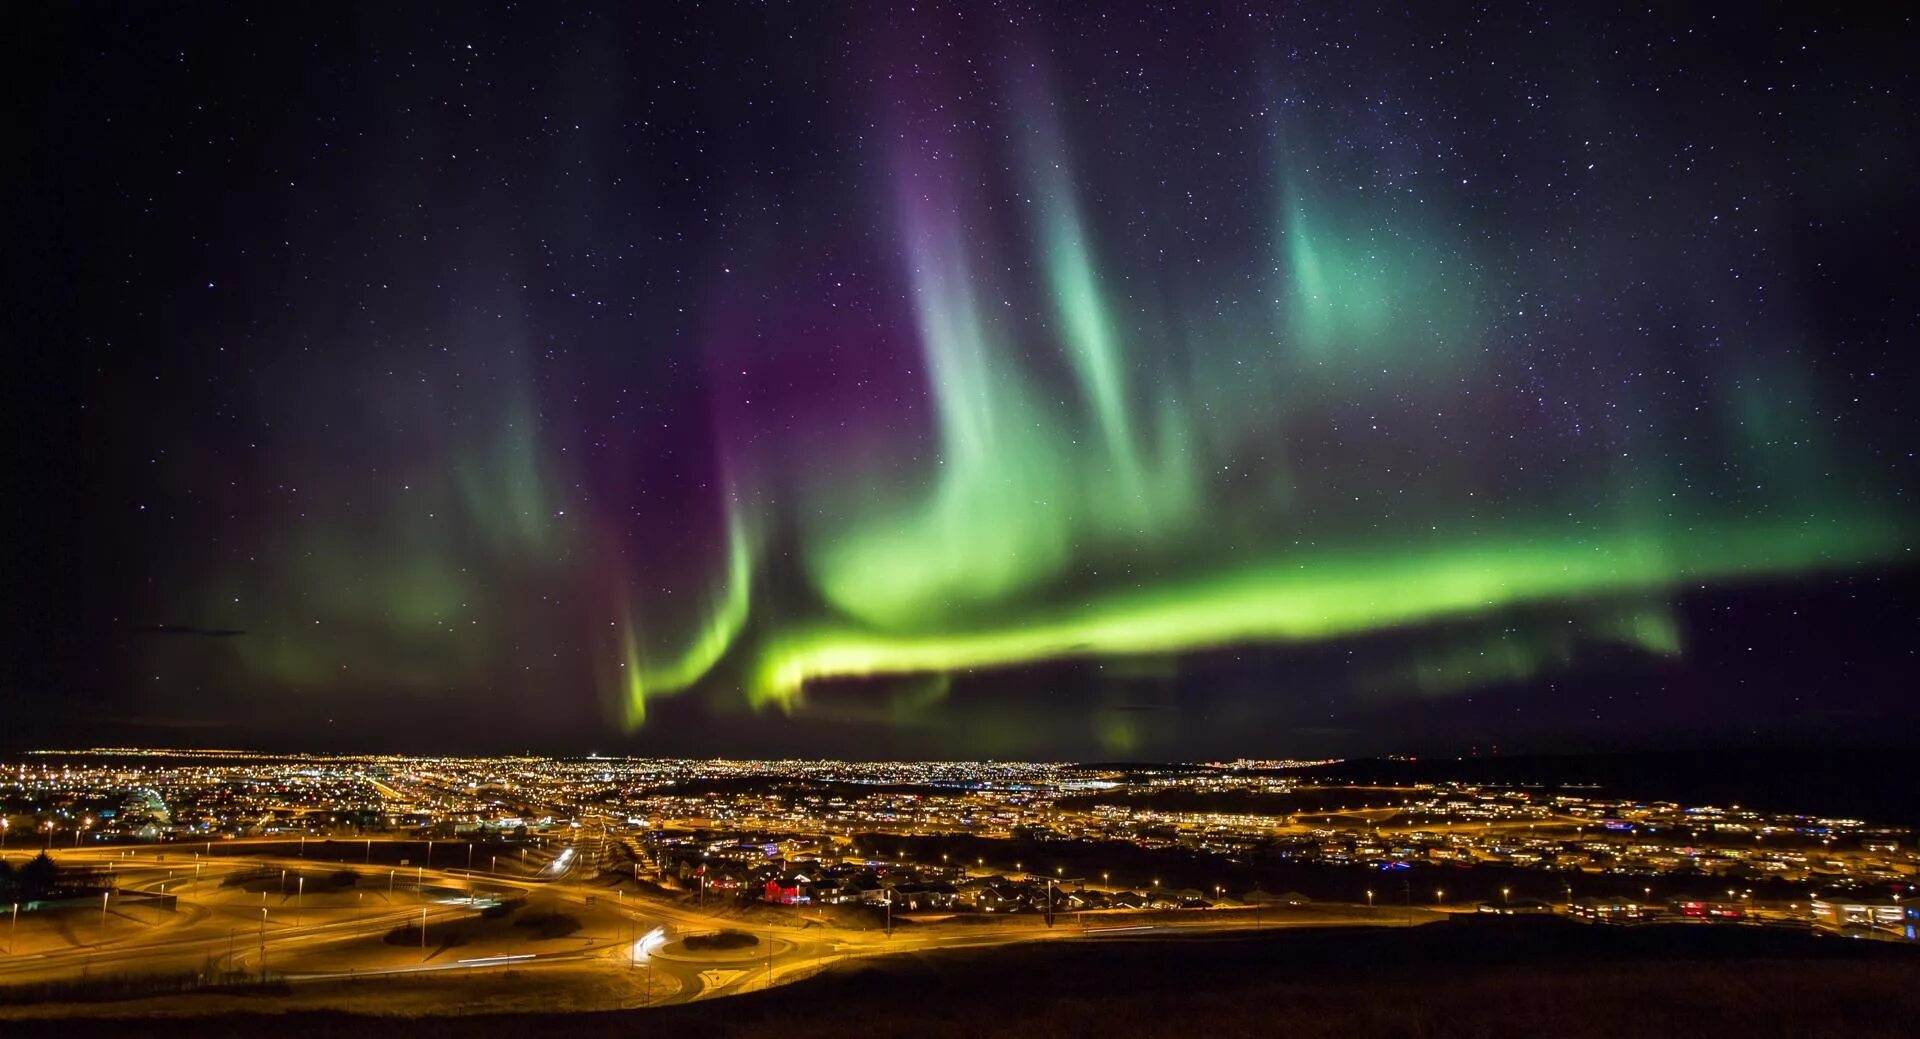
(1004, 380)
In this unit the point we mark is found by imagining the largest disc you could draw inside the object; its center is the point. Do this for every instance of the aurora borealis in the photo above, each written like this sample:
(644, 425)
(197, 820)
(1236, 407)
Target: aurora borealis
(985, 371)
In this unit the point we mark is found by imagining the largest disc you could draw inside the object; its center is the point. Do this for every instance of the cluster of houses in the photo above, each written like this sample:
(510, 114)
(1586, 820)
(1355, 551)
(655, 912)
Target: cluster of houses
(764, 876)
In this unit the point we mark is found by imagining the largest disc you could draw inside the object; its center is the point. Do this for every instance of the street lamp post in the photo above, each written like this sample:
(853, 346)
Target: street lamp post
(104, 895)
(263, 943)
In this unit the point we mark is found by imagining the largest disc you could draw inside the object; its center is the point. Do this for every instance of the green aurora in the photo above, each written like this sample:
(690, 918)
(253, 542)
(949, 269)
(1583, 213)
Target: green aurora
(1104, 396)
(985, 564)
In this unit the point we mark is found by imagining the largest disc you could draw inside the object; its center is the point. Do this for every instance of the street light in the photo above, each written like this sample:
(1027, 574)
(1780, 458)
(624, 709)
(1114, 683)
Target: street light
(1369, 900)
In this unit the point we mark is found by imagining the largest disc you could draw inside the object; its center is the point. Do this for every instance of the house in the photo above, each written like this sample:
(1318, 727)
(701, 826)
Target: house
(1260, 897)
(789, 889)
(971, 891)
(835, 891)
(1003, 898)
(725, 878)
(1087, 900)
(912, 897)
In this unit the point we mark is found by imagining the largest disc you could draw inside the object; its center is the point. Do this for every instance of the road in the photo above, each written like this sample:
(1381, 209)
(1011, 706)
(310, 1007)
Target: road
(315, 939)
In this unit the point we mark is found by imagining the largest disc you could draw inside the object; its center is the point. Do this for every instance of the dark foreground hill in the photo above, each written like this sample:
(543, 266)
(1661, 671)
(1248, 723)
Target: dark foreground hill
(1468, 979)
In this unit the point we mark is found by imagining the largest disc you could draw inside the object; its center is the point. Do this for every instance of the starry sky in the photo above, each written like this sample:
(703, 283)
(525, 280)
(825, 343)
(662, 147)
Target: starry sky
(1097, 380)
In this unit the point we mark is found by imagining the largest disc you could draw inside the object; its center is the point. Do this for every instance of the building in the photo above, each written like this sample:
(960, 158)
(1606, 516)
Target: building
(1885, 915)
(1709, 909)
(1609, 910)
(1517, 907)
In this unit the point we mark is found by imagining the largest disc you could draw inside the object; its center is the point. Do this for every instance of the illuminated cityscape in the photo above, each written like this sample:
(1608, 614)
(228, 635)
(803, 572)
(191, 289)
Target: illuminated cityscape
(1053, 518)
(203, 871)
